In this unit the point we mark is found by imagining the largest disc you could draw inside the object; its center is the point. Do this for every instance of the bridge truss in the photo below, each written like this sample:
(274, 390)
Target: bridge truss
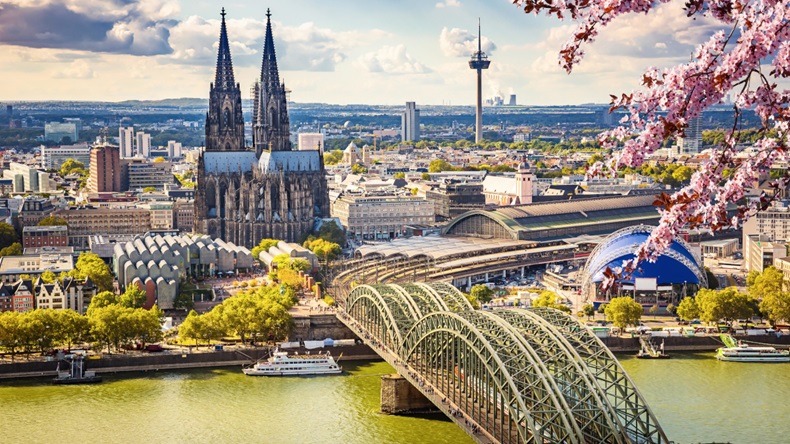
(520, 376)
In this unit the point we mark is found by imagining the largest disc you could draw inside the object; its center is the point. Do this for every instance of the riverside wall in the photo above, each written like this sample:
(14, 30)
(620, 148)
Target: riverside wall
(690, 343)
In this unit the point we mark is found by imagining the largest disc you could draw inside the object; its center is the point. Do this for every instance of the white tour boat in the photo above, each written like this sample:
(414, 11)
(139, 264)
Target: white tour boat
(740, 352)
(282, 364)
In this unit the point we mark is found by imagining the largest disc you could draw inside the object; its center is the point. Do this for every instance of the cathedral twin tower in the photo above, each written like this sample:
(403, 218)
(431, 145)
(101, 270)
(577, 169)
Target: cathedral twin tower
(245, 194)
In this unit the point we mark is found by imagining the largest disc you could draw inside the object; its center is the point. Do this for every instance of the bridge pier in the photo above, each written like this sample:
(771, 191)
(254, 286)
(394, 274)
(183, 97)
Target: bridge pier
(398, 396)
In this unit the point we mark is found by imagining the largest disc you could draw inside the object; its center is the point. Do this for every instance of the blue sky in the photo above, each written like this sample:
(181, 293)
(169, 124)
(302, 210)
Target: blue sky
(340, 51)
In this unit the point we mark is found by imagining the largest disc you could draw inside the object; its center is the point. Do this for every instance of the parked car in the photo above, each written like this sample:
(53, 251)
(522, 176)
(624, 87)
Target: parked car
(154, 348)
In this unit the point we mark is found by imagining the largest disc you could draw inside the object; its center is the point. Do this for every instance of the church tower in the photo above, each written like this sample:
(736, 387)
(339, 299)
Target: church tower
(224, 120)
(271, 126)
(523, 183)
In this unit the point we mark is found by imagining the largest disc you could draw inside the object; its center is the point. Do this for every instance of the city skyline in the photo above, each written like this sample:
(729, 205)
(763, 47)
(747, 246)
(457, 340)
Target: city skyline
(157, 49)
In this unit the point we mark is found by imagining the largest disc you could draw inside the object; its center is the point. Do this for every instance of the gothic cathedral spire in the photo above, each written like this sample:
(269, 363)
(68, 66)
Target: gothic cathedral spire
(270, 112)
(224, 121)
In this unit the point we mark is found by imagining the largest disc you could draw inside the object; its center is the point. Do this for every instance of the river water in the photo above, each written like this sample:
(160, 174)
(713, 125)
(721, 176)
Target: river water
(695, 397)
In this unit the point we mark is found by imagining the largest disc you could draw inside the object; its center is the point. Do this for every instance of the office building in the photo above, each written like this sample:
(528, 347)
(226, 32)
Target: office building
(54, 157)
(381, 216)
(105, 169)
(184, 214)
(60, 132)
(311, 141)
(25, 178)
(692, 142)
(141, 174)
(46, 236)
(12, 267)
(173, 149)
(161, 215)
(126, 142)
(143, 147)
(410, 123)
(87, 221)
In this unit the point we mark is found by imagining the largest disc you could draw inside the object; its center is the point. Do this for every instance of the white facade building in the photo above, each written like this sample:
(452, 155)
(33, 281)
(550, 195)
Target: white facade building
(126, 142)
(143, 144)
(410, 123)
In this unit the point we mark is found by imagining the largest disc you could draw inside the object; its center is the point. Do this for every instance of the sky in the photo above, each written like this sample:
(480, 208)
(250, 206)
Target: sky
(338, 52)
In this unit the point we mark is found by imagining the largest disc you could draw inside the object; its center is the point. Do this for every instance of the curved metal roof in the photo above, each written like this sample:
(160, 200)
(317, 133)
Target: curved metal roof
(678, 264)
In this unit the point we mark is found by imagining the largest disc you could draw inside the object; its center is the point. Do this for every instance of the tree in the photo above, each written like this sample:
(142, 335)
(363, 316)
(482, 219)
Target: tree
(481, 293)
(324, 250)
(766, 284)
(71, 166)
(132, 297)
(7, 235)
(735, 61)
(90, 265)
(400, 175)
(263, 245)
(550, 299)
(671, 309)
(588, 310)
(290, 277)
(52, 221)
(623, 311)
(149, 190)
(725, 304)
(333, 232)
(48, 277)
(425, 176)
(688, 309)
(358, 169)
(101, 300)
(14, 249)
(683, 174)
(12, 331)
(653, 310)
(439, 165)
(159, 160)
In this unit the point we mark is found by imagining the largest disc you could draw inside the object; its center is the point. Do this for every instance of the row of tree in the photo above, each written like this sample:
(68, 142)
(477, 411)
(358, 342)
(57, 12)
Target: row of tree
(257, 314)
(112, 321)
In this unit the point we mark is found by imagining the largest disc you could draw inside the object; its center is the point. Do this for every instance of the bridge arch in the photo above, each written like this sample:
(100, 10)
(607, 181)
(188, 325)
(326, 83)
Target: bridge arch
(372, 311)
(490, 375)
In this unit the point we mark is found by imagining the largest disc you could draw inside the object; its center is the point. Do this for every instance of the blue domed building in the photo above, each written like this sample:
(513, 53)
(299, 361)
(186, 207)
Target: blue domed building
(678, 272)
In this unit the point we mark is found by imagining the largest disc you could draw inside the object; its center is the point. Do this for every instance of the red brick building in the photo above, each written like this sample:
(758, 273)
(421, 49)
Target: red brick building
(45, 236)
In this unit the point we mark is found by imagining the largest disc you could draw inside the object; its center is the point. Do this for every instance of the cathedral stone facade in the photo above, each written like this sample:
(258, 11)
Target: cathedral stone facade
(267, 191)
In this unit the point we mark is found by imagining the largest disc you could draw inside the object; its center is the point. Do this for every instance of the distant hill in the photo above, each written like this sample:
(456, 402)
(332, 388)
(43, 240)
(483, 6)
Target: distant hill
(185, 102)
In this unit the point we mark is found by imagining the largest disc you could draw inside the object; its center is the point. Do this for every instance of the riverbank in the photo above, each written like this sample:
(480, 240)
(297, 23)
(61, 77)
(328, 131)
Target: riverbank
(174, 359)
(622, 344)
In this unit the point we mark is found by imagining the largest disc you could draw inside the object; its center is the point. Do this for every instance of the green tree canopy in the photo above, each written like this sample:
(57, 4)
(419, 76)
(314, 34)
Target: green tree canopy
(52, 221)
(400, 175)
(14, 249)
(89, 265)
(132, 297)
(439, 165)
(481, 293)
(263, 245)
(72, 166)
(727, 304)
(623, 311)
(7, 235)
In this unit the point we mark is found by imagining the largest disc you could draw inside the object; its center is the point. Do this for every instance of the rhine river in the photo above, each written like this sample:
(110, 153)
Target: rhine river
(695, 397)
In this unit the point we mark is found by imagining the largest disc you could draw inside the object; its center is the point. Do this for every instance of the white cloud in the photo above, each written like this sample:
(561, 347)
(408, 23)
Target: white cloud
(458, 42)
(391, 60)
(448, 3)
(78, 69)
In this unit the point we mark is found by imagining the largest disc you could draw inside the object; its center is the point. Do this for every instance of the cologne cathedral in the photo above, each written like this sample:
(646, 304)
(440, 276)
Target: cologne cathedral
(246, 194)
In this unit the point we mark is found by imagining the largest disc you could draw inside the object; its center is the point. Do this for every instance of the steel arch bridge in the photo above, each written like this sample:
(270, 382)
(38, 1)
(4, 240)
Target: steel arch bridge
(518, 376)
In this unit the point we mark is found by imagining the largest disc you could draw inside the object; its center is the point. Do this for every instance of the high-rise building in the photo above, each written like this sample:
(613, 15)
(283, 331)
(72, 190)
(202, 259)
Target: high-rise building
(479, 62)
(126, 142)
(105, 169)
(410, 123)
(143, 147)
(692, 143)
(141, 174)
(311, 141)
(57, 132)
(173, 149)
(25, 178)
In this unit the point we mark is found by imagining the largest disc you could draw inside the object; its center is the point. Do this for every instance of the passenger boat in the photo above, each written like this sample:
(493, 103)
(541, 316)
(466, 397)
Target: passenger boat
(76, 373)
(745, 353)
(740, 352)
(281, 364)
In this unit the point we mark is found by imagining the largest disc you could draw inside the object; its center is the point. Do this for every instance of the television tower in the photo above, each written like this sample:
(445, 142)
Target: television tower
(479, 62)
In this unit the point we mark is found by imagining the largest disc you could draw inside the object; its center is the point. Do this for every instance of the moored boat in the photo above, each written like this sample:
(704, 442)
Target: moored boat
(282, 364)
(738, 351)
(76, 372)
